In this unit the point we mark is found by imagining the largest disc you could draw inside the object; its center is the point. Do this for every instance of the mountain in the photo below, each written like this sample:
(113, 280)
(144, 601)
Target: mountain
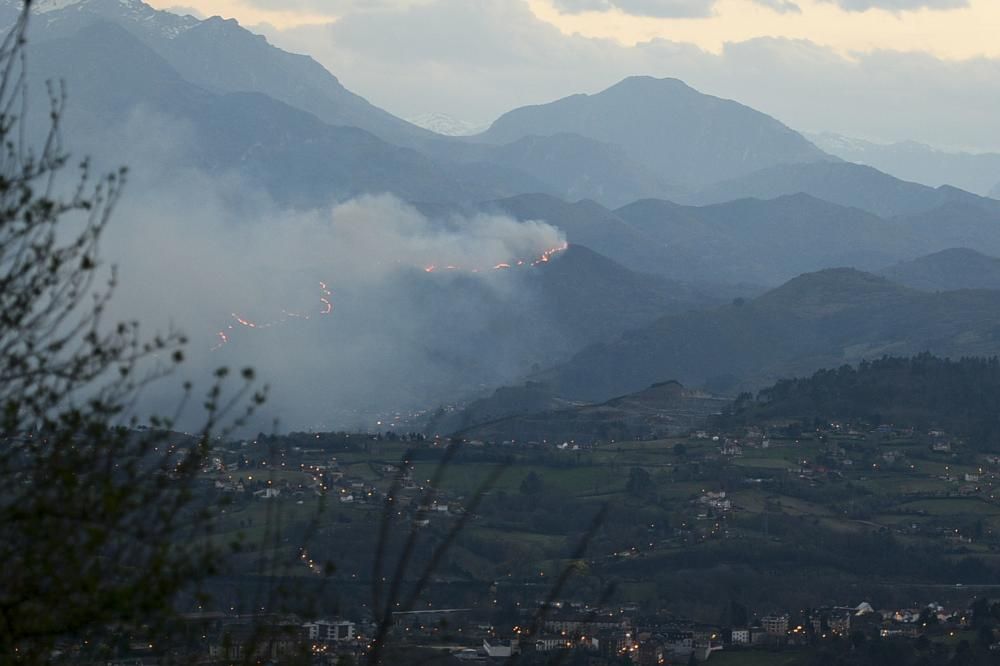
(590, 224)
(948, 270)
(842, 183)
(445, 125)
(961, 397)
(822, 319)
(466, 334)
(759, 242)
(595, 298)
(658, 411)
(221, 56)
(575, 167)
(113, 78)
(684, 136)
(917, 162)
(765, 242)
(959, 223)
(568, 166)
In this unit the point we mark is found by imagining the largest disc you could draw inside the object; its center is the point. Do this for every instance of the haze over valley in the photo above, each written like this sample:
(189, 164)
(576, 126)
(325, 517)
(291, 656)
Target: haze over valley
(263, 176)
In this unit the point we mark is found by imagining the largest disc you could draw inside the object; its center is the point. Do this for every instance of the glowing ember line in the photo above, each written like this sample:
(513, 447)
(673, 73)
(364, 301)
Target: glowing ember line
(325, 299)
(326, 294)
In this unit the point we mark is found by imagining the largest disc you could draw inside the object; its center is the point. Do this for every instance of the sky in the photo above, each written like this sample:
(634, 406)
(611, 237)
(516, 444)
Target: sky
(884, 70)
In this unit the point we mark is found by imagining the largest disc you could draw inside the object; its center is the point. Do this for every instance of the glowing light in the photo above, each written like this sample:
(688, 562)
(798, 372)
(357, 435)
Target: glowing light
(326, 308)
(326, 302)
(325, 299)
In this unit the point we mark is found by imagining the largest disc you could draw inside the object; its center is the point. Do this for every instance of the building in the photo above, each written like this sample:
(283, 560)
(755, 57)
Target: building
(740, 637)
(650, 654)
(775, 625)
(833, 620)
(499, 649)
(330, 631)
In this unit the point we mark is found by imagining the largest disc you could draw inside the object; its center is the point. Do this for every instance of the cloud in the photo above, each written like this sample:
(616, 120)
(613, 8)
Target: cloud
(898, 5)
(650, 8)
(332, 7)
(704, 8)
(781, 6)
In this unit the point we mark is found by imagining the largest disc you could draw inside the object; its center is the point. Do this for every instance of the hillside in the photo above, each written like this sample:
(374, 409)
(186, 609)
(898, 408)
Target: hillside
(658, 411)
(577, 168)
(568, 166)
(916, 162)
(221, 56)
(842, 183)
(689, 138)
(590, 224)
(758, 242)
(116, 83)
(595, 298)
(961, 397)
(822, 319)
(765, 242)
(957, 268)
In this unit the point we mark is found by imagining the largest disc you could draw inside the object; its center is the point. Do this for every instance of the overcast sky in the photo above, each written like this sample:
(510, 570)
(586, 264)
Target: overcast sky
(879, 69)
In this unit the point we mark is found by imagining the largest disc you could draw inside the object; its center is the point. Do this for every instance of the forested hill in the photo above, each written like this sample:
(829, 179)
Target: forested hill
(961, 397)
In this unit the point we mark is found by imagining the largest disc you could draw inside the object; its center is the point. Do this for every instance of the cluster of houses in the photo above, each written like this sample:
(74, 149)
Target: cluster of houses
(606, 635)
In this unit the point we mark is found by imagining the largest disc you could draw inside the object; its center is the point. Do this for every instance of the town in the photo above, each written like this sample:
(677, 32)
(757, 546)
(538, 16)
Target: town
(685, 539)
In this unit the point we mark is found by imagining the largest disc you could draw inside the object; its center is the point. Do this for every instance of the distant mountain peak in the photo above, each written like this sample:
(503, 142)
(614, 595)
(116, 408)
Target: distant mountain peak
(164, 23)
(688, 138)
(948, 270)
(442, 123)
(830, 290)
(219, 55)
(645, 81)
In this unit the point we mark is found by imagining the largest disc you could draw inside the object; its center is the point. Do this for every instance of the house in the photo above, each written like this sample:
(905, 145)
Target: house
(267, 493)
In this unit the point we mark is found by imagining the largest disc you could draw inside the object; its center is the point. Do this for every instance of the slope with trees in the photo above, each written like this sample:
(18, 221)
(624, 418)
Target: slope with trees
(96, 513)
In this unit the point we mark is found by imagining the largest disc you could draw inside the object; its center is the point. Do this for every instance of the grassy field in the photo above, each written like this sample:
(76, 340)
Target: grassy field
(753, 658)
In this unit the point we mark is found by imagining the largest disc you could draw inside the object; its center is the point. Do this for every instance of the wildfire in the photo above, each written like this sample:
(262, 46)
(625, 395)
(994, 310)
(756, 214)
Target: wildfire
(543, 258)
(325, 299)
(326, 302)
(325, 309)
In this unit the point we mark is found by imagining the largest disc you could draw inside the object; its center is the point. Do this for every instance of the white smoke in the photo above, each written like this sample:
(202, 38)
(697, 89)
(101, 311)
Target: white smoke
(200, 253)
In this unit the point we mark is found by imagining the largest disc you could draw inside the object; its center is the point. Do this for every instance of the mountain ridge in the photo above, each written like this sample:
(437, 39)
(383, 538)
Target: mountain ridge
(689, 138)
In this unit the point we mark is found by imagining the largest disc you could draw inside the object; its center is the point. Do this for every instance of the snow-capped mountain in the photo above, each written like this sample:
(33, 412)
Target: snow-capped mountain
(442, 123)
(918, 162)
(221, 56)
(63, 16)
